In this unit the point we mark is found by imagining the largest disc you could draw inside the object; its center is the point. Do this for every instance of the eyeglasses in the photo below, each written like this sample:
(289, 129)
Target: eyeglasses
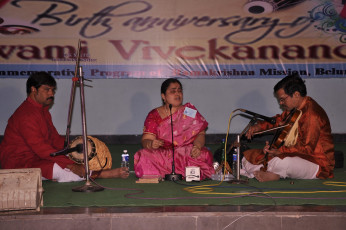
(282, 100)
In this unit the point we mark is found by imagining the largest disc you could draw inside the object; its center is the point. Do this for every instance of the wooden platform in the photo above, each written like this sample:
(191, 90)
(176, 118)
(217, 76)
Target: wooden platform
(179, 218)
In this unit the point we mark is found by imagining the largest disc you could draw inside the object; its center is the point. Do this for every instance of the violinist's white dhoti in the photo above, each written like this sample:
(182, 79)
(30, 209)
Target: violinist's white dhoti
(289, 167)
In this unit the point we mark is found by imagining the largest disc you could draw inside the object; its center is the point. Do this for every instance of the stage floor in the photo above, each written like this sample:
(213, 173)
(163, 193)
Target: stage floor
(124, 204)
(180, 217)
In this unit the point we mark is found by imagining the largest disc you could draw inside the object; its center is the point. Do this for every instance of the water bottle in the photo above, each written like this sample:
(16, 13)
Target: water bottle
(125, 160)
(234, 164)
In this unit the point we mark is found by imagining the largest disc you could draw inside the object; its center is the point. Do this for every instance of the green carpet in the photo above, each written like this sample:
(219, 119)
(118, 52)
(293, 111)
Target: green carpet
(125, 192)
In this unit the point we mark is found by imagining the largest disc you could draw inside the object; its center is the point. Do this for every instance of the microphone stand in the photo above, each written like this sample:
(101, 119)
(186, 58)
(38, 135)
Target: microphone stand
(173, 176)
(237, 180)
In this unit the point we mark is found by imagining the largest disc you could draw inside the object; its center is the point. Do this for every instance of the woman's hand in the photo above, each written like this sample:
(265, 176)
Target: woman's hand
(149, 141)
(195, 152)
(155, 144)
(198, 143)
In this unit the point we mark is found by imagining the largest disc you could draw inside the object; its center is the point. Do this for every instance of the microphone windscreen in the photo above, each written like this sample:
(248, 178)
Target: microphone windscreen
(170, 106)
(79, 148)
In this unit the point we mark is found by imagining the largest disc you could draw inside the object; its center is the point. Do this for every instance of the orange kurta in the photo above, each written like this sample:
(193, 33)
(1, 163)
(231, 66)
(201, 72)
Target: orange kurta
(314, 143)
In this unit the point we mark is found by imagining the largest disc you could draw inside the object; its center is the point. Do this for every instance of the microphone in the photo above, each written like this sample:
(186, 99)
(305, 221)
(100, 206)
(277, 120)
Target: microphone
(271, 120)
(78, 148)
(173, 176)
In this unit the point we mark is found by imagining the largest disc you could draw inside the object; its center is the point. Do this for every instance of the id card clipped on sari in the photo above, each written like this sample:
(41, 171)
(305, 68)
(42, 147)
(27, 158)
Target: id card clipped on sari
(190, 112)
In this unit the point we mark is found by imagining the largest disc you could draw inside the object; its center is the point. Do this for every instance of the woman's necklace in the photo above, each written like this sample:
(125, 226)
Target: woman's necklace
(166, 110)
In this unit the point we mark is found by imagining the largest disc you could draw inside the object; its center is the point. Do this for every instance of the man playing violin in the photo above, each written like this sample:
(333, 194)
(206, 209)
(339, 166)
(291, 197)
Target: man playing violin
(307, 152)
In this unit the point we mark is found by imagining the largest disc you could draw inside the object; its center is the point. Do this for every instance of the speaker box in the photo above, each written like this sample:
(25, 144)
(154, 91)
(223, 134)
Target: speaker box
(21, 189)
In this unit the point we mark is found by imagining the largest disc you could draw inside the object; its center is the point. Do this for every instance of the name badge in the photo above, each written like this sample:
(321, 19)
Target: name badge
(190, 112)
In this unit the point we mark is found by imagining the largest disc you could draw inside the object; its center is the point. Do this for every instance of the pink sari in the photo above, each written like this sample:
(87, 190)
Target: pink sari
(187, 124)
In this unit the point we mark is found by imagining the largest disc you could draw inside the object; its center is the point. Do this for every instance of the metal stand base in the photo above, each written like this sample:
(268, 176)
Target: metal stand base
(173, 177)
(88, 188)
(235, 181)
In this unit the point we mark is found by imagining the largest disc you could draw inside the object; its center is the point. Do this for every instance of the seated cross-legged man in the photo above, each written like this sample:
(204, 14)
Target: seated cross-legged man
(30, 137)
(308, 151)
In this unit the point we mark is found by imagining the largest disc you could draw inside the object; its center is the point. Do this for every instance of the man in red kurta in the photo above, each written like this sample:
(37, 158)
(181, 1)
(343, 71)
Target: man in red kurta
(29, 139)
(30, 136)
(311, 153)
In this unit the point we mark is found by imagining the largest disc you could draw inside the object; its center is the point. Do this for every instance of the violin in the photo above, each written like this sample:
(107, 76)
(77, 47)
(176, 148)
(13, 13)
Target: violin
(281, 133)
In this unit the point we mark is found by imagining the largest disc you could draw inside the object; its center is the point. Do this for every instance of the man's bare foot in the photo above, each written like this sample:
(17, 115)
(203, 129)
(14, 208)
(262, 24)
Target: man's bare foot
(266, 176)
(114, 173)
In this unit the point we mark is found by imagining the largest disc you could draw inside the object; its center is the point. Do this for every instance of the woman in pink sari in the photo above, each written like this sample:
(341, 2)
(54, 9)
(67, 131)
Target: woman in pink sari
(188, 134)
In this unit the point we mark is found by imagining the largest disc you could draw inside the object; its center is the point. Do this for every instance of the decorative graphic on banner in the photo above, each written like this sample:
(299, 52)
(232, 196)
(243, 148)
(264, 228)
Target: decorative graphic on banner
(159, 39)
